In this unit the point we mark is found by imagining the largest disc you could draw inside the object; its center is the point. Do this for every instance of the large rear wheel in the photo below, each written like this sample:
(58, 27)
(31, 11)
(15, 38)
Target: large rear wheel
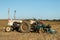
(25, 27)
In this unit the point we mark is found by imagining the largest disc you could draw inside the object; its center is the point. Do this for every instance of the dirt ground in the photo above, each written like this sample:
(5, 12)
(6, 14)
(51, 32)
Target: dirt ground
(30, 36)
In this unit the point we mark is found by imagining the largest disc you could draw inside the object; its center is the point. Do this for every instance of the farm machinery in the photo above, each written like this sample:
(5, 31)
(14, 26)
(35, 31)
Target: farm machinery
(28, 26)
(19, 25)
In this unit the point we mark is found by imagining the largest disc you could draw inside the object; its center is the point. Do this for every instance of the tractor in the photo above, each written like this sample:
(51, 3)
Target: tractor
(28, 26)
(20, 25)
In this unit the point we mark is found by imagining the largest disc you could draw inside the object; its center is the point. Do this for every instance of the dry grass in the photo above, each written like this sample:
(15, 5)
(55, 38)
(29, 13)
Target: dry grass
(30, 36)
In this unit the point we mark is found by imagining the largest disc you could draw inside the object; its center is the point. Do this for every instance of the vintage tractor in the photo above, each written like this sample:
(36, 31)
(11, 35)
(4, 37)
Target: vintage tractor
(20, 25)
(28, 26)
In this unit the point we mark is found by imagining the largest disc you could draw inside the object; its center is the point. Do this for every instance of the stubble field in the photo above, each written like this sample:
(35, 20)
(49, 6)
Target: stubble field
(30, 36)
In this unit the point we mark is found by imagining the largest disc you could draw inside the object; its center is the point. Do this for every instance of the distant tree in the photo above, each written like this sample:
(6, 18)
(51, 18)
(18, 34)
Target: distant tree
(58, 19)
(40, 19)
(47, 19)
(54, 20)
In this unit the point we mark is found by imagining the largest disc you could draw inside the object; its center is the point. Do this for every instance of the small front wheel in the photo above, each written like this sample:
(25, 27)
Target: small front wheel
(8, 29)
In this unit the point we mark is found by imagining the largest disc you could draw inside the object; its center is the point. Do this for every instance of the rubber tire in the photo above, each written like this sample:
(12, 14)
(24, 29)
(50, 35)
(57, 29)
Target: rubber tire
(25, 30)
(8, 29)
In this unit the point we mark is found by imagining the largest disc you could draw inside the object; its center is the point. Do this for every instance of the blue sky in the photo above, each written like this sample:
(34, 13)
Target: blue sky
(40, 9)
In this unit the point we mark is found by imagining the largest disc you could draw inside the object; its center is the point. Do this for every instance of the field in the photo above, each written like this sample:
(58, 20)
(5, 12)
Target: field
(30, 36)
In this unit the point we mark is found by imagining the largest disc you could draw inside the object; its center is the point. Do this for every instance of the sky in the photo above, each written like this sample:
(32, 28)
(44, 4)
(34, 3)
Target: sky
(39, 9)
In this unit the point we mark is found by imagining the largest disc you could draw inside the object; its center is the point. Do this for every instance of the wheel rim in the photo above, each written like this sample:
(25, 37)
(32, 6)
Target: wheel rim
(25, 27)
(8, 29)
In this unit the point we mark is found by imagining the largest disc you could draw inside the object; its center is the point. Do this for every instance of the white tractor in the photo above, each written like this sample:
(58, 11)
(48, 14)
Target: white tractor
(20, 25)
